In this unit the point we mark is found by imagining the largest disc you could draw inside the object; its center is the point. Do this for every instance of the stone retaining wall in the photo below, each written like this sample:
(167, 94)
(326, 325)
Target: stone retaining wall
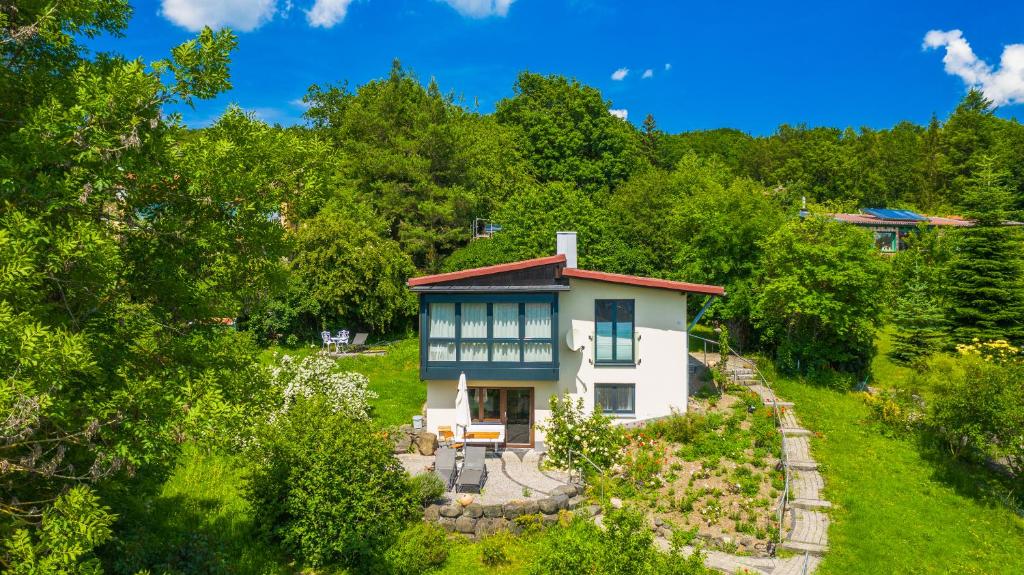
(479, 520)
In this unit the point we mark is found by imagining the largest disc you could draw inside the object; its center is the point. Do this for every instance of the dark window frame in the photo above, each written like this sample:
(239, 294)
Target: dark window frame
(519, 370)
(614, 386)
(615, 352)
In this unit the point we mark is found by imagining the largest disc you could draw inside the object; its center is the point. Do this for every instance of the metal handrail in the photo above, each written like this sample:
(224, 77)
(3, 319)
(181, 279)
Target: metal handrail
(597, 467)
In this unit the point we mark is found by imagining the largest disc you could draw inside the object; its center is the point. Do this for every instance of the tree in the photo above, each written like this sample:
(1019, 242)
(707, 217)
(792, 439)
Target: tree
(816, 295)
(569, 135)
(985, 281)
(123, 247)
(920, 324)
(327, 486)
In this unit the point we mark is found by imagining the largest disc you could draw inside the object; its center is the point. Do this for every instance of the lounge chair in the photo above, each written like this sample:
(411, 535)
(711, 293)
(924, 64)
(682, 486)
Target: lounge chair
(360, 339)
(444, 466)
(474, 470)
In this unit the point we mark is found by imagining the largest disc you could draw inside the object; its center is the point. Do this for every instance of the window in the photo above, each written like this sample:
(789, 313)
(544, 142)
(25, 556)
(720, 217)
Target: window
(488, 333)
(615, 398)
(885, 241)
(613, 339)
(484, 404)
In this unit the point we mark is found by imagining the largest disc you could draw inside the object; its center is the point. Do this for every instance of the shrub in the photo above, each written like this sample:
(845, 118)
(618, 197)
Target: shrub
(624, 547)
(898, 410)
(420, 548)
(595, 436)
(345, 392)
(644, 460)
(494, 549)
(326, 486)
(426, 487)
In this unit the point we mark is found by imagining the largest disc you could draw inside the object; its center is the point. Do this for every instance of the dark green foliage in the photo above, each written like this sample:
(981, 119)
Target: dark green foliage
(494, 549)
(920, 324)
(818, 295)
(420, 548)
(986, 280)
(569, 135)
(327, 487)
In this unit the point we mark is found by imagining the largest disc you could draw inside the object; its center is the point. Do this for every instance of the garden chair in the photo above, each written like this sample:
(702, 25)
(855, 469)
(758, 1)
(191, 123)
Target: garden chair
(444, 466)
(328, 340)
(341, 340)
(360, 339)
(446, 437)
(474, 469)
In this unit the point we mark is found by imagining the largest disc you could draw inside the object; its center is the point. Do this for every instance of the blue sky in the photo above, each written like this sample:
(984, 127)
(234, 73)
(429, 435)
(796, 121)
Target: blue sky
(745, 65)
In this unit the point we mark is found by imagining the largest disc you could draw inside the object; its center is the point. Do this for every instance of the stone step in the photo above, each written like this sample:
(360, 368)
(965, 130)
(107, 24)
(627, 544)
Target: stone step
(781, 403)
(803, 465)
(801, 547)
(796, 432)
(812, 504)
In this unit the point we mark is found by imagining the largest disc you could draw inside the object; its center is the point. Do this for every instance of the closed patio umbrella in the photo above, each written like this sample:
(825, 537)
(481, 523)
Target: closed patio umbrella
(462, 415)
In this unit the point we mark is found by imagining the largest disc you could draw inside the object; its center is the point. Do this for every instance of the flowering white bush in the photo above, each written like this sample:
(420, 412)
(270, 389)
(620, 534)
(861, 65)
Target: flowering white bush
(345, 391)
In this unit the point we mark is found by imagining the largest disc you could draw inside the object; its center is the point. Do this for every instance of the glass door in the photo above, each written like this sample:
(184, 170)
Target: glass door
(519, 417)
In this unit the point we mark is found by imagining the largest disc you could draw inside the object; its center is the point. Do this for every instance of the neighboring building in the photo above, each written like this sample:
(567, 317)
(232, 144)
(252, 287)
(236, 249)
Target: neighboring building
(892, 226)
(526, 331)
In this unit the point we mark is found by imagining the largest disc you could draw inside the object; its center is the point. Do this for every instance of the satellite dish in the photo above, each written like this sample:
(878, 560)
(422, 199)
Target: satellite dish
(575, 338)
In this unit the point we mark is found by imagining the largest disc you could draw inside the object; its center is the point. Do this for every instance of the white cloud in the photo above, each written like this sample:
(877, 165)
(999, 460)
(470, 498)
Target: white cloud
(327, 13)
(242, 15)
(1004, 85)
(620, 74)
(621, 114)
(668, 66)
(648, 73)
(298, 103)
(480, 8)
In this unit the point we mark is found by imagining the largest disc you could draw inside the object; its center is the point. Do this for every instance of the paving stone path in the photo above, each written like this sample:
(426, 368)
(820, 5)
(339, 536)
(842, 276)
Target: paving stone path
(806, 522)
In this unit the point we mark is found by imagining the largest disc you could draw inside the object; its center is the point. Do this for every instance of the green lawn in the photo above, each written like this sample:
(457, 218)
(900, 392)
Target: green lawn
(885, 373)
(897, 510)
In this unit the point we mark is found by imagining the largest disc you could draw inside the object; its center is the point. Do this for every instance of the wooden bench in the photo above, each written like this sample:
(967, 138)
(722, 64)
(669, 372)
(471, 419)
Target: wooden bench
(488, 438)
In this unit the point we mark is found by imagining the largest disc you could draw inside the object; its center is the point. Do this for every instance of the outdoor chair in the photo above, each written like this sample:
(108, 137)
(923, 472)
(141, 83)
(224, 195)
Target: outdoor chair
(445, 436)
(474, 470)
(360, 339)
(444, 466)
(328, 340)
(341, 340)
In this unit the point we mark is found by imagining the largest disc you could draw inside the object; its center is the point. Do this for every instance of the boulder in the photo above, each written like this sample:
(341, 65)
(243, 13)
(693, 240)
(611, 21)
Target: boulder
(489, 526)
(548, 505)
(465, 524)
(593, 510)
(531, 507)
(427, 443)
(658, 521)
(616, 502)
(403, 444)
(432, 512)
(575, 502)
(665, 532)
(473, 510)
(549, 520)
(512, 510)
(406, 429)
(447, 523)
(451, 510)
(492, 511)
(567, 490)
(561, 501)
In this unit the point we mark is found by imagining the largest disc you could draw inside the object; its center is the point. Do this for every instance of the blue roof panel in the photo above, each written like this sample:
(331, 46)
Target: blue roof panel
(887, 214)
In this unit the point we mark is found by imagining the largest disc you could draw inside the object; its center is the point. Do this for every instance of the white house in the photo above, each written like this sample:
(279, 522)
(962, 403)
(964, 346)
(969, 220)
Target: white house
(526, 331)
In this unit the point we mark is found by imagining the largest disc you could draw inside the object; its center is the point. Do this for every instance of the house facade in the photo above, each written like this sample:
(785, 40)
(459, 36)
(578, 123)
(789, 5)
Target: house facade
(527, 331)
(891, 227)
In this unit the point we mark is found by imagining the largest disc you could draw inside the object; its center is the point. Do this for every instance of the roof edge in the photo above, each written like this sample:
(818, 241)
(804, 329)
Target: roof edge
(644, 281)
(487, 270)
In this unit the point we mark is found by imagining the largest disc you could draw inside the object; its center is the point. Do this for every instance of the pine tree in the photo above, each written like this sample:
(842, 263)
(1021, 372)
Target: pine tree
(920, 323)
(986, 286)
(650, 139)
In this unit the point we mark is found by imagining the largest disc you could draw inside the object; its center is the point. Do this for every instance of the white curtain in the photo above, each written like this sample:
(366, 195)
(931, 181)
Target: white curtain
(603, 347)
(506, 320)
(442, 320)
(474, 320)
(441, 351)
(538, 320)
(474, 351)
(506, 351)
(537, 352)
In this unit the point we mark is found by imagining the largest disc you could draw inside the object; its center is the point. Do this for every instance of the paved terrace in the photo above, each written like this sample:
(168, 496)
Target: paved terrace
(512, 475)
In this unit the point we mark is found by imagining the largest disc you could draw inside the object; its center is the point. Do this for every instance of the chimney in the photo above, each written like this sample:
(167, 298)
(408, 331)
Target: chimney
(566, 244)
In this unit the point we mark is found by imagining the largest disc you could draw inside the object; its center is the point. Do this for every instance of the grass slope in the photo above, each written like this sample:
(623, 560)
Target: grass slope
(896, 509)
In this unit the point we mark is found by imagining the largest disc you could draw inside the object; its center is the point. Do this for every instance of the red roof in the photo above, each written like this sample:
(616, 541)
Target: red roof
(643, 282)
(488, 270)
(867, 219)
